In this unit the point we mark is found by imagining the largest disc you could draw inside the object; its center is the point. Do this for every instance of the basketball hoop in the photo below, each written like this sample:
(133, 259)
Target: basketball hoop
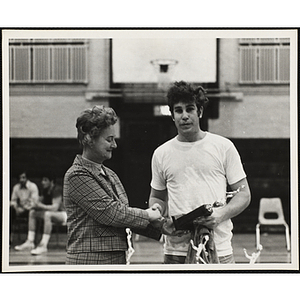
(164, 69)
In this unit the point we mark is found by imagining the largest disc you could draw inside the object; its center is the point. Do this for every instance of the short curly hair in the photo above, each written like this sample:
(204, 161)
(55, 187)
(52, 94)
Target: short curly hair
(182, 91)
(93, 121)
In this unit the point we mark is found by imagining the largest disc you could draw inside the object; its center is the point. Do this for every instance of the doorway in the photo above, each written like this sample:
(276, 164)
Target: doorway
(140, 134)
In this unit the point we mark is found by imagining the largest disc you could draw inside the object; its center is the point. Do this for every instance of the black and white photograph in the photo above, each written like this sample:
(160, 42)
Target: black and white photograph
(169, 150)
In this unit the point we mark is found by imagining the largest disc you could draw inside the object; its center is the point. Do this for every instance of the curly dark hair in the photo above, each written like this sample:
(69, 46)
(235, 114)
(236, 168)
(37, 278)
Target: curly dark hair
(49, 174)
(93, 121)
(184, 92)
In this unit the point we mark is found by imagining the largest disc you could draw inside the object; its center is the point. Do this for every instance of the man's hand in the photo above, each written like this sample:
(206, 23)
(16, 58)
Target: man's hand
(157, 206)
(34, 204)
(19, 210)
(211, 221)
(158, 222)
(13, 204)
(154, 214)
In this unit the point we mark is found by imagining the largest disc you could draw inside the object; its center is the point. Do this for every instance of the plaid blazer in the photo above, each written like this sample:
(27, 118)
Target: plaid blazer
(98, 211)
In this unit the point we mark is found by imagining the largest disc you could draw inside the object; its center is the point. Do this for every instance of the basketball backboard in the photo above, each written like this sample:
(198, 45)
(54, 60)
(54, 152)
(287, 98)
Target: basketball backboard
(196, 59)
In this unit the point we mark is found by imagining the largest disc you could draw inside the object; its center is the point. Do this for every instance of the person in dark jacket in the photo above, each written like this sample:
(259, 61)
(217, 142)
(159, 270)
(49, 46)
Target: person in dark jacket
(96, 203)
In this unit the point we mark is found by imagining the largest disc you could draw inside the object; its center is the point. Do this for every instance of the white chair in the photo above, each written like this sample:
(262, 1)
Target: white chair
(271, 206)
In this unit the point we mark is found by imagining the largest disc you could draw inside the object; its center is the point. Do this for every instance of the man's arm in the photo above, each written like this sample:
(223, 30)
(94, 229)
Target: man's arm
(239, 202)
(14, 197)
(34, 193)
(236, 205)
(159, 199)
(33, 197)
(56, 202)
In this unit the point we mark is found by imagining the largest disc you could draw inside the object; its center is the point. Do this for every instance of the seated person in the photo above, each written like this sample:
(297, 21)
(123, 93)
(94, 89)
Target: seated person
(24, 193)
(50, 208)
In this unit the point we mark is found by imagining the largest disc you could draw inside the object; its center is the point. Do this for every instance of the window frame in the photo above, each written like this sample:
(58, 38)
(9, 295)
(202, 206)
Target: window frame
(265, 59)
(62, 59)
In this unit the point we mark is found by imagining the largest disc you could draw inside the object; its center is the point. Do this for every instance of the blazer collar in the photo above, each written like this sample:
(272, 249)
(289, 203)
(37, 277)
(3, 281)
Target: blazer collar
(91, 166)
(95, 169)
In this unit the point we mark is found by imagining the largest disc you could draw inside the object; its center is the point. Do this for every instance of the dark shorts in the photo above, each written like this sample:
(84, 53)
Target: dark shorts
(177, 259)
(97, 258)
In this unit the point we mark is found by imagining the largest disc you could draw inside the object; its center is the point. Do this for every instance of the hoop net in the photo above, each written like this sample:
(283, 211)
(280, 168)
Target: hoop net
(164, 69)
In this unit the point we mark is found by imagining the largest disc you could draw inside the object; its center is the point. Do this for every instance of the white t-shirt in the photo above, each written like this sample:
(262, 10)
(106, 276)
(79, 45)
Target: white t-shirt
(196, 173)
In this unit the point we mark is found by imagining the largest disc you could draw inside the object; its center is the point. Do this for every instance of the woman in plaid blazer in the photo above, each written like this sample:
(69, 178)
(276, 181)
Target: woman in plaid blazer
(95, 199)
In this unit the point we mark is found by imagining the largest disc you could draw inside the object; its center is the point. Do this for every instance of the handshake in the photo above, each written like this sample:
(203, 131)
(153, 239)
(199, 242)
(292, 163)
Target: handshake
(166, 225)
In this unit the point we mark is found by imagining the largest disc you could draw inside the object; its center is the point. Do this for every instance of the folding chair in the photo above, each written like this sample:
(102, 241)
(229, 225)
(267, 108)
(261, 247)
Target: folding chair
(271, 206)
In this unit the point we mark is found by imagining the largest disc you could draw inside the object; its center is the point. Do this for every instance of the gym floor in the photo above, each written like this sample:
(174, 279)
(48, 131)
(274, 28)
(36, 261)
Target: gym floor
(148, 251)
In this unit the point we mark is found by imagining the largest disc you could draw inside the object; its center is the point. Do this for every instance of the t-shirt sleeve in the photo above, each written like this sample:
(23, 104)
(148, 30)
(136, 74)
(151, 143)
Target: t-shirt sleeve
(158, 181)
(233, 165)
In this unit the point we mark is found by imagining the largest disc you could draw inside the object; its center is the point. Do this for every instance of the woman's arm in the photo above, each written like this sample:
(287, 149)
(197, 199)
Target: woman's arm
(93, 198)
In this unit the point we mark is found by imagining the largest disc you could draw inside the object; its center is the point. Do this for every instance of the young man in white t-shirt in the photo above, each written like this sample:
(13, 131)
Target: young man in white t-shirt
(195, 168)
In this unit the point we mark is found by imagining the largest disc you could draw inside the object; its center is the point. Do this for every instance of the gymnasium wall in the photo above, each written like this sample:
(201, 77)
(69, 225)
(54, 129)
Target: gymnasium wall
(266, 162)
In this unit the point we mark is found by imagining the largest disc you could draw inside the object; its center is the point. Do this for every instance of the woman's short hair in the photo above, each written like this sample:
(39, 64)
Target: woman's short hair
(184, 92)
(91, 122)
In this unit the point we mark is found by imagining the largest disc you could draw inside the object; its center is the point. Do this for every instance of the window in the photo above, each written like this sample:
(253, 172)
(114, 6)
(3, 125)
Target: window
(264, 60)
(47, 61)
